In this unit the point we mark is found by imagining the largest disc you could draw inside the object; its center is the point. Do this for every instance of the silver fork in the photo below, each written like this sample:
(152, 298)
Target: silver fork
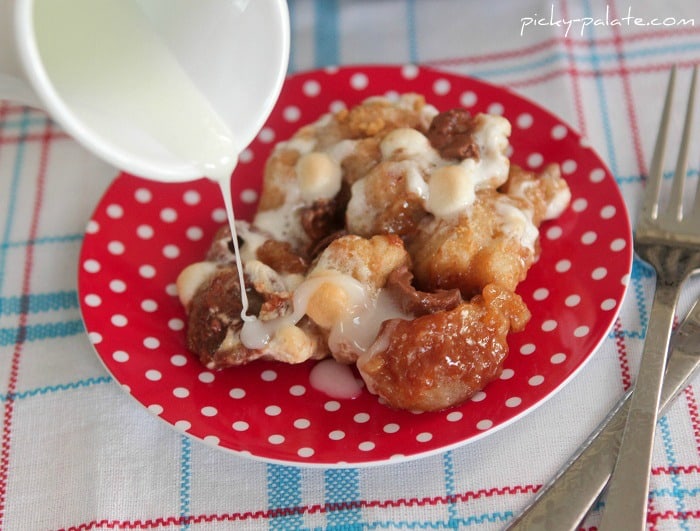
(669, 240)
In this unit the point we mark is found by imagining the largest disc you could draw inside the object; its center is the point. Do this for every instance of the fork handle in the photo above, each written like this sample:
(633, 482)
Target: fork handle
(628, 491)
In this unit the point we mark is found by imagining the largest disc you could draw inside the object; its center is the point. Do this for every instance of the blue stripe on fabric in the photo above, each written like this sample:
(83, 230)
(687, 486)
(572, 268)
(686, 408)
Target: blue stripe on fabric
(12, 203)
(604, 106)
(28, 122)
(492, 518)
(342, 496)
(448, 469)
(412, 31)
(292, 6)
(326, 38)
(284, 497)
(555, 57)
(37, 303)
(48, 389)
(8, 336)
(41, 241)
(671, 459)
(185, 481)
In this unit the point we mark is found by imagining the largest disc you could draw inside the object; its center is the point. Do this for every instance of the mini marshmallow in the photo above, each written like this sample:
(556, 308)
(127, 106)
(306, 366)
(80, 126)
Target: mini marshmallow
(319, 176)
(451, 191)
(191, 278)
(405, 142)
(328, 304)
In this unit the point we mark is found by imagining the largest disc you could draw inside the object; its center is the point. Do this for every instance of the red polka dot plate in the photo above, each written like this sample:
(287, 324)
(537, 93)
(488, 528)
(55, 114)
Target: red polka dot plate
(143, 233)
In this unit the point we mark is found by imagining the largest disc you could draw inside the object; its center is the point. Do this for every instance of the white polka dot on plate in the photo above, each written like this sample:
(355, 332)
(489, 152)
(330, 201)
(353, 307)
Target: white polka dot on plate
(273, 411)
(618, 244)
(171, 251)
(536, 380)
(478, 396)
(305, 452)
(562, 266)
(268, 375)
(219, 215)
(147, 271)
(599, 273)
(581, 331)
(337, 106)
(115, 247)
(331, 405)
(246, 156)
(153, 375)
(361, 418)
(181, 392)
(240, 425)
(468, 98)
(514, 401)
(484, 424)
(311, 88)
(608, 304)
(568, 167)
(589, 237)
(176, 324)
(558, 358)
(91, 266)
(524, 121)
(156, 409)
(540, 294)
(527, 349)
(559, 131)
(507, 374)
(554, 233)
(572, 300)
(441, 87)
(212, 439)
(297, 390)
(178, 360)
(291, 113)
(366, 446)
(120, 356)
(237, 393)
(359, 81)
(143, 195)
(209, 411)
(336, 435)
(249, 196)
(149, 305)
(206, 377)
(276, 439)
(194, 233)
(117, 286)
(454, 416)
(95, 338)
(267, 135)
(151, 343)
(302, 424)
(549, 325)
(608, 212)
(409, 71)
(145, 232)
(119, 320)
(92, 300)
(579, 204)
(171, 289)
(115, 211)
(425, 436)
(496, 108)
(535, 160)
(597, 175)
(92, 227)
(191, 197)
(168, 215)
(392, 427)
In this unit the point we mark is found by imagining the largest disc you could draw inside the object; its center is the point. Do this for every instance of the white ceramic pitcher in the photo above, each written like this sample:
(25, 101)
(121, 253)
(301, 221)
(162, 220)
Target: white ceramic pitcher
(125, 109)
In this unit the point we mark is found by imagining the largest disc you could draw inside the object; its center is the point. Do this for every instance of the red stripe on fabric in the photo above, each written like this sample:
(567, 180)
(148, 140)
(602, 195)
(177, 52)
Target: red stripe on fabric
(34, 137)
(629, 99)
(8, 413)
(300, 510)
(621, 347)
(573, 72)
(675, 470)
(693, 412)
(655, 518)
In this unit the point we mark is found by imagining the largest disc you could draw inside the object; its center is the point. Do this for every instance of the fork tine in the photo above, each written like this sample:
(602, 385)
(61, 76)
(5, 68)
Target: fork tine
(675, 205)
(650, 204)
